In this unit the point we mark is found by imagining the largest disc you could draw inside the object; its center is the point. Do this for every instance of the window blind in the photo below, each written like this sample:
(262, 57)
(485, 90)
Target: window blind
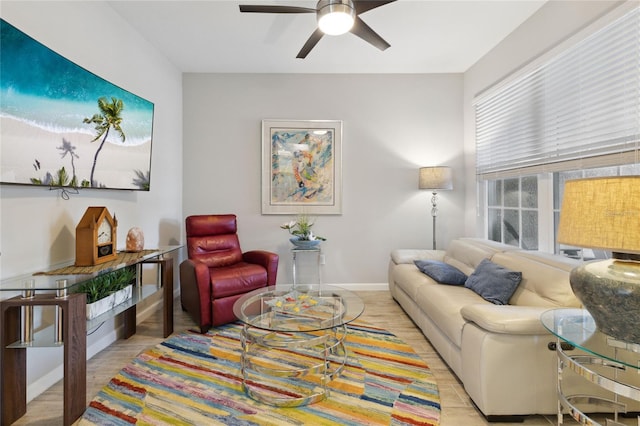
(581, 109)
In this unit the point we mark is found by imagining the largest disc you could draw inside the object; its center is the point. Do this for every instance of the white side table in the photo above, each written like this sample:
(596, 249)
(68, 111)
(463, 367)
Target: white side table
(306, 267)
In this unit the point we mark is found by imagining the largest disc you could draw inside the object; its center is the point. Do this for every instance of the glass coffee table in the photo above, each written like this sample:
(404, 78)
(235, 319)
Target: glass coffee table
(293, 341)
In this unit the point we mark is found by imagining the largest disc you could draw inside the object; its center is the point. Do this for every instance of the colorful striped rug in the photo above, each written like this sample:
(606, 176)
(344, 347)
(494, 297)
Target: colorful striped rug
(194, 379)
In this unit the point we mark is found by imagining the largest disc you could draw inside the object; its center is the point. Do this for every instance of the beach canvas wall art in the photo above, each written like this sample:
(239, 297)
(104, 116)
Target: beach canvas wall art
(301, 167)
(63, 126)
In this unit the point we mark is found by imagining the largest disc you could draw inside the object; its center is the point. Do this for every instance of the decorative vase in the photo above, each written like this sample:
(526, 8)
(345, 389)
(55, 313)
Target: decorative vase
(304, 244)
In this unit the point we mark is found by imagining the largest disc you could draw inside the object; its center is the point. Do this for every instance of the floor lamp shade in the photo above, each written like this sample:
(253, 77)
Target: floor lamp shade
(604, 213)
(435, 179)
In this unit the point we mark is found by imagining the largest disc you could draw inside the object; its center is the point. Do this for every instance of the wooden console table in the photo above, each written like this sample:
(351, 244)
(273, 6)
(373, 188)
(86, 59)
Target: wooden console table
(72, 309)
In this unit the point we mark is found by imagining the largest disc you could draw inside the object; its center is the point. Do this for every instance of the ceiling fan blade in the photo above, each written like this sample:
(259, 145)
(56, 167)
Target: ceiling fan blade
(310, 44)
(275, 9)
(365, 5)
(365, 32)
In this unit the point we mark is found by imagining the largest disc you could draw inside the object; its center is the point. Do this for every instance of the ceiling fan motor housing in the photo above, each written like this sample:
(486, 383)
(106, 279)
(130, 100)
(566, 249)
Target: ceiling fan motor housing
(335, 17)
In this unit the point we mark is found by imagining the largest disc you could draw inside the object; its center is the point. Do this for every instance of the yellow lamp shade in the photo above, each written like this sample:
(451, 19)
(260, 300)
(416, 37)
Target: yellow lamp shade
(602, 213)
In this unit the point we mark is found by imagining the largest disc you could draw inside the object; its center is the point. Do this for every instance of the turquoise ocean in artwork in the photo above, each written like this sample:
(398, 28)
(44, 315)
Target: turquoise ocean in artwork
(46, 90)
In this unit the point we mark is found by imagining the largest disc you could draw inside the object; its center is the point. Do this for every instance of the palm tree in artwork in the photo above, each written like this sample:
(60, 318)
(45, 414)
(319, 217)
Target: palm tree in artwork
(109, 117)
(67, 148)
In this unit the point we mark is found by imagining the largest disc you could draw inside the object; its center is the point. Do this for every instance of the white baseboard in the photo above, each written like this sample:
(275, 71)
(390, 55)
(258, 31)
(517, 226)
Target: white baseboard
(364, 286)
(356, 286)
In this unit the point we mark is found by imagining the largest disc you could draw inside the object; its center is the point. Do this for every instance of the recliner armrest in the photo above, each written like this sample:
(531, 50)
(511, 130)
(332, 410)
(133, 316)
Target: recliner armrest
(506, 319)
(267, 260)
(195, 290)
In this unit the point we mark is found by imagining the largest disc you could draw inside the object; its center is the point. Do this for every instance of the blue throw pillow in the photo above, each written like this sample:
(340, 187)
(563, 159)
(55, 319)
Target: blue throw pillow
(493, 282)
(441, 272)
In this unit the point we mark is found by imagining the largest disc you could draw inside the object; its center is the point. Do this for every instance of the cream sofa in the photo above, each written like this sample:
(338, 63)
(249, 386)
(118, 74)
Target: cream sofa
(499, 352)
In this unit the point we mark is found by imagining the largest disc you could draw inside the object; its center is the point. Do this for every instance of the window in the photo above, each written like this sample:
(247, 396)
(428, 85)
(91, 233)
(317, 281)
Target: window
(576, 115)
(512, 211)
(579, 110)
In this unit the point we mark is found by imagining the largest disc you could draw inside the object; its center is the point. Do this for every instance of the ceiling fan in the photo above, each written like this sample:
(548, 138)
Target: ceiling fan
(335, 17)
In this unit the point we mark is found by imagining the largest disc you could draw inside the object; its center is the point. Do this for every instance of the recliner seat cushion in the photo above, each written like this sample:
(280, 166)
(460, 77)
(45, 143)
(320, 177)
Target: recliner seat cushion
(236, 279)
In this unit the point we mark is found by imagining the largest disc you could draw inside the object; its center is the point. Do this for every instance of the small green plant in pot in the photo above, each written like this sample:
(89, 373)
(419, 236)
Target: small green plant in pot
(106, 284)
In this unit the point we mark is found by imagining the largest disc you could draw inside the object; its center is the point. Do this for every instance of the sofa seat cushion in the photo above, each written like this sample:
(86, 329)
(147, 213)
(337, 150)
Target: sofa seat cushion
(410, 279)
(236, 279)
(506, 319)
(442, 303)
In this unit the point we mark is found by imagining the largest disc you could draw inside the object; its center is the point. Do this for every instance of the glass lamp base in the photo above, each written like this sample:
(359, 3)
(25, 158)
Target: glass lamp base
(610, 291)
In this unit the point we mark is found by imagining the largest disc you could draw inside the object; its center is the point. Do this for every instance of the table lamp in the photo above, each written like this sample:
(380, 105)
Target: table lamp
(435, 179)
(604, 213)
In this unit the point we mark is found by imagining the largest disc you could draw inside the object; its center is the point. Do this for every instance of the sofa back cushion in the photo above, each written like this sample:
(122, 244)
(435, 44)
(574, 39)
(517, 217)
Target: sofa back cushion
(545, 278)
(467, 253)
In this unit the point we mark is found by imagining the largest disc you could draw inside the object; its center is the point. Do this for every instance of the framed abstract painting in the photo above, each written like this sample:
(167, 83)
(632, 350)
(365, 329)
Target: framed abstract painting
(301, 167)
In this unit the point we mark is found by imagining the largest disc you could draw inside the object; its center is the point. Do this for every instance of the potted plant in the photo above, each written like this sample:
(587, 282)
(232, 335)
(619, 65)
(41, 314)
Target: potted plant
(300, 228)
(106, 291)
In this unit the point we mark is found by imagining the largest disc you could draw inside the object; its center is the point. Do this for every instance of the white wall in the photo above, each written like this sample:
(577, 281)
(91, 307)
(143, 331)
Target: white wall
(549, 26)
(392, 125)
(37, 227)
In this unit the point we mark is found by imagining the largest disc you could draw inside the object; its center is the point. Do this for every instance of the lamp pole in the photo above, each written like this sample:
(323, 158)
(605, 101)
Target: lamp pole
(435, 178)
(434, 213)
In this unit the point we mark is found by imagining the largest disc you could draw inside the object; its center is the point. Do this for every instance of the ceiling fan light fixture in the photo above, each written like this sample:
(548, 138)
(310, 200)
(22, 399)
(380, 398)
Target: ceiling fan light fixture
(335, 17)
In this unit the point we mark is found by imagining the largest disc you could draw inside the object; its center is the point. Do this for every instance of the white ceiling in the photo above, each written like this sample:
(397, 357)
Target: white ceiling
(446, 36)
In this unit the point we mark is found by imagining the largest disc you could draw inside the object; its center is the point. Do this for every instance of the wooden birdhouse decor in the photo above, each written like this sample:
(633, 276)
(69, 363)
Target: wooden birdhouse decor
(96, 237)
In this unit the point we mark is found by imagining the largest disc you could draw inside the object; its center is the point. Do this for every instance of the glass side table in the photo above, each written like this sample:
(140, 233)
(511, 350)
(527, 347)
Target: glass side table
(609, 364)
(306, 267)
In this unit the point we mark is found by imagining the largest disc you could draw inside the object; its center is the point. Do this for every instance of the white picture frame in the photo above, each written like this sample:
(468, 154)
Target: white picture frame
(302, 167)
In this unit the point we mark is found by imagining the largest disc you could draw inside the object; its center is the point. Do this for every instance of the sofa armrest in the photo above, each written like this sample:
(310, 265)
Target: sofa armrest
(506, 319)
(267, 260)
(409, 255)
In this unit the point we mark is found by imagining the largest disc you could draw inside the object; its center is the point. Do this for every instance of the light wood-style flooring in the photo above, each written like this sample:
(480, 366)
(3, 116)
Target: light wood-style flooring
(381, 310)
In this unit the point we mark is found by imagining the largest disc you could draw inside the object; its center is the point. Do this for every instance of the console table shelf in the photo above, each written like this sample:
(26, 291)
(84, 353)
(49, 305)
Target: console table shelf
(58, 290)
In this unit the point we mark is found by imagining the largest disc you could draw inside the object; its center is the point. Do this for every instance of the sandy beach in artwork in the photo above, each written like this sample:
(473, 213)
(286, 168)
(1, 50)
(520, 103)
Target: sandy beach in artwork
(23, 146)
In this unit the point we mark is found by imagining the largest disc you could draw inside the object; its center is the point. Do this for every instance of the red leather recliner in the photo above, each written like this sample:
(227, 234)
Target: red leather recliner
(217, 273)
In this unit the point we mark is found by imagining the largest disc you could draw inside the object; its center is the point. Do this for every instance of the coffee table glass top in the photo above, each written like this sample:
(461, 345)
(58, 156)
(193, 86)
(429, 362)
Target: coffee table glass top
(304, 308)
(577, 327)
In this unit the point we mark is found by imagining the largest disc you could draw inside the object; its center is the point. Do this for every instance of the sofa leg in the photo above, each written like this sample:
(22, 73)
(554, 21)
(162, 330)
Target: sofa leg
(505, 419)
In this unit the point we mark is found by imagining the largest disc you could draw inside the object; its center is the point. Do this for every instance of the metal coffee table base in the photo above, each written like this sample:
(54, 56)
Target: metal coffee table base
(293, 368)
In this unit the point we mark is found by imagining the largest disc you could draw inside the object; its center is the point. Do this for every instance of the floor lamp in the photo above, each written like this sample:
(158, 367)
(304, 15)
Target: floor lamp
(435, 179)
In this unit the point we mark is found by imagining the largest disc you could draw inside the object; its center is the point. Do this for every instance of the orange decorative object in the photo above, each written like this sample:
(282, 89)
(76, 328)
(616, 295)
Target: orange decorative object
(135, 240)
